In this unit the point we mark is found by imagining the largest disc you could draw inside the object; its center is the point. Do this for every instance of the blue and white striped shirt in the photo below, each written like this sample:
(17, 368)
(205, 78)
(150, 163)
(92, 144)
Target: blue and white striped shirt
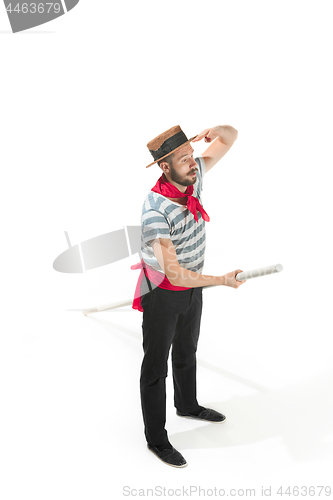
(162, 218)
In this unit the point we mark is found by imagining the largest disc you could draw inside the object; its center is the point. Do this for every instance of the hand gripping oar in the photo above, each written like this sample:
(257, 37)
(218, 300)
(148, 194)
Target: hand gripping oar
(255, 273)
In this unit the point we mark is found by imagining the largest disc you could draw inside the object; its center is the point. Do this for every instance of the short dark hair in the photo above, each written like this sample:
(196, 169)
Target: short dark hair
(168, 159)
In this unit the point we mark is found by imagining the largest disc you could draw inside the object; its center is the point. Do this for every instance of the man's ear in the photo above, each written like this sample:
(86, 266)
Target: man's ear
(165, 166)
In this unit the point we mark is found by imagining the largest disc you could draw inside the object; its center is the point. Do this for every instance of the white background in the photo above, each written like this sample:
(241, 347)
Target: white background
(80, 98)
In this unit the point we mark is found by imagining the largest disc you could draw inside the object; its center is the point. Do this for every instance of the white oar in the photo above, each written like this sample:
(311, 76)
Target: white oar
(106, 307)
(257, 273)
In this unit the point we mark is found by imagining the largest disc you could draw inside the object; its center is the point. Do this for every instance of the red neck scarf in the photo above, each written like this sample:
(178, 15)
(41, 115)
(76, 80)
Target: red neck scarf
(164, 187)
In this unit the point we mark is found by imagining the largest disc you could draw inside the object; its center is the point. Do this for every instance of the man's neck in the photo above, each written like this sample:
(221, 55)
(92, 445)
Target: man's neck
(180, 188)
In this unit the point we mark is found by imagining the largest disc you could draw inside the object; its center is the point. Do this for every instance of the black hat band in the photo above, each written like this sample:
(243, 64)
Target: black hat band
(169, 145)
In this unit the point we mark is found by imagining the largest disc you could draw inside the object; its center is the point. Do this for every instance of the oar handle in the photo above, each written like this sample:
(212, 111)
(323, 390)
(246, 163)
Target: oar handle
(257, 273)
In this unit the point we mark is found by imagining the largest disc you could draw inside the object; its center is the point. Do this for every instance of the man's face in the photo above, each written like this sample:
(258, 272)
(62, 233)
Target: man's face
(183, 167)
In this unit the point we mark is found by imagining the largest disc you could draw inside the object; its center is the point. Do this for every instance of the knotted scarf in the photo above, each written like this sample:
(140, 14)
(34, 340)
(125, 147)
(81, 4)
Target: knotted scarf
(164, 187)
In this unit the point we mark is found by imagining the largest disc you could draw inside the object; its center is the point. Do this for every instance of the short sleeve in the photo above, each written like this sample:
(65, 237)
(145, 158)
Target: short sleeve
(201, 164)
(154, 225)
(202, 170)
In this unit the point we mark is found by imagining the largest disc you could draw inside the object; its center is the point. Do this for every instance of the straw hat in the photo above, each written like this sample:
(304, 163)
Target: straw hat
(166, 143)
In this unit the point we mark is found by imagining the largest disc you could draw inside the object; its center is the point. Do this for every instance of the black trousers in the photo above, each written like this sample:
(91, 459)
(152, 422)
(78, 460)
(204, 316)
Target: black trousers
(169, 318)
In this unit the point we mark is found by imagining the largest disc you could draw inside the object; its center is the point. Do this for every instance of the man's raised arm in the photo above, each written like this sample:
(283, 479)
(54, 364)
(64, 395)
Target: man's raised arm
(223, 136)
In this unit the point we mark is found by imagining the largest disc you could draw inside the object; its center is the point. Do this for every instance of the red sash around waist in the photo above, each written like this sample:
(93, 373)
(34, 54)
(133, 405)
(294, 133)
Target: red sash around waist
(155, 277)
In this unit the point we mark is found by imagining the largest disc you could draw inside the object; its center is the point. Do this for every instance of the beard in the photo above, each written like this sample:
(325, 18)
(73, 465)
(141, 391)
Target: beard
(182, 180)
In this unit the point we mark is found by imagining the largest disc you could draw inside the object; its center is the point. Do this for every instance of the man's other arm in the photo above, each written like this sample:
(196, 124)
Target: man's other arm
(166, 256)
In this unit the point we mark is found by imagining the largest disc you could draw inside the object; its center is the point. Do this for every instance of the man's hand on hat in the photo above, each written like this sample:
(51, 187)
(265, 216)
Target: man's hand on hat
(226, 134)
(209, 134)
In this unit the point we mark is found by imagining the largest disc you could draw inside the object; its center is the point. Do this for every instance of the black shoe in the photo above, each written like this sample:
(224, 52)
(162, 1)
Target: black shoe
(207, 414)
(168, 455)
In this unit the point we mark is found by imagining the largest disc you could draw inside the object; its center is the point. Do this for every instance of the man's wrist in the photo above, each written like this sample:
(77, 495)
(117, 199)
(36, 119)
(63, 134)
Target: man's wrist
(222, 280)
(219, 280)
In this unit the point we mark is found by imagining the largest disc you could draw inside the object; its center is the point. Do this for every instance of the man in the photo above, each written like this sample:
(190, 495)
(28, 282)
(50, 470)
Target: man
(169, 290)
